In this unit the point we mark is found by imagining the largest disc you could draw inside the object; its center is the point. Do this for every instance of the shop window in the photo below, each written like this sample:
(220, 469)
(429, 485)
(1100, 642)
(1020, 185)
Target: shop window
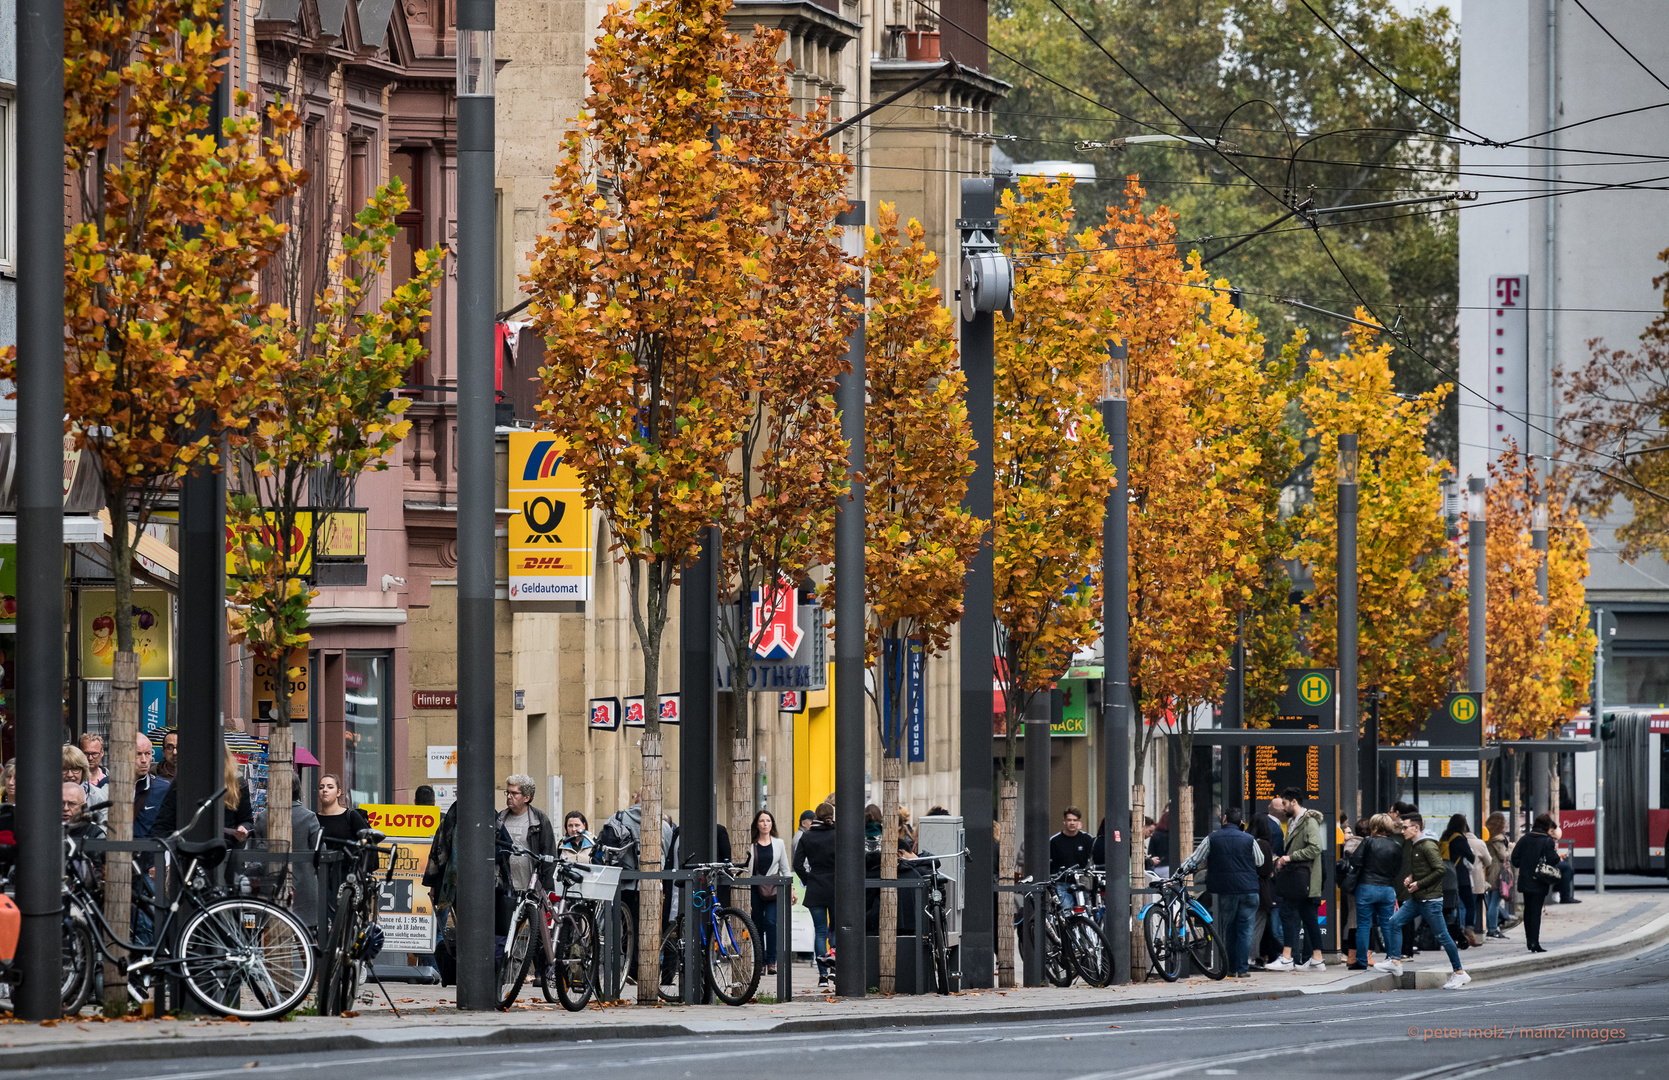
(369, 735)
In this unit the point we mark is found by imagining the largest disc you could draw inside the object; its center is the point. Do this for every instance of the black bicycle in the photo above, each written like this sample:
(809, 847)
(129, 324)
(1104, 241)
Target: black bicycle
(934, 916)
(1081, 941)
(237, 955)
(355, 938)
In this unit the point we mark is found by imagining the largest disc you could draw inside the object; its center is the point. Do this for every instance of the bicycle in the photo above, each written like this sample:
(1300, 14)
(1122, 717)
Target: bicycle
(1082, 942)
(229, 946)
(1057, 964)
(79, 955)
(727, 937)
(604, 856)
(355, 937)
(934, 915)
(1177, 926)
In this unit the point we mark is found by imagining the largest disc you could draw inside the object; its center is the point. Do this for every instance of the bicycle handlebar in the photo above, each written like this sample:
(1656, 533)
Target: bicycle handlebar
(191, 823)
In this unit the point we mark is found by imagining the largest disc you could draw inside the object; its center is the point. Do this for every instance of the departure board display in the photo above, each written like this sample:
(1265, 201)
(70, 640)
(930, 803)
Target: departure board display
(1273, 769)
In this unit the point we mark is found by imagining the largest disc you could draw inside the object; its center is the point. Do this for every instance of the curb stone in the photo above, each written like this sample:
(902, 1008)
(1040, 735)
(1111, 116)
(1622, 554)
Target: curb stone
(489, 1035)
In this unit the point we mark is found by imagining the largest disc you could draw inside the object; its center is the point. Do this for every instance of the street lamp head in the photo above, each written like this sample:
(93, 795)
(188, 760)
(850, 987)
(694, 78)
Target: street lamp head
(1349, 458)
(1113, 371)
(1476, 507)
(1538, 514)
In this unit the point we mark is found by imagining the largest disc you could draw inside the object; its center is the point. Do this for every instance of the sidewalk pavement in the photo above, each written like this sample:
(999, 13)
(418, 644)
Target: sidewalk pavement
(1602, 926)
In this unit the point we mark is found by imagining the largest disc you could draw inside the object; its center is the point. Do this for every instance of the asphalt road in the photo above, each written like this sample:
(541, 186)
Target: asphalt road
(1622, 1007)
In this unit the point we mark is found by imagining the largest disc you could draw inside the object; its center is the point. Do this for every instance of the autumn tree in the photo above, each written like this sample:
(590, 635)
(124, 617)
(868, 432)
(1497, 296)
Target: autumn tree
(652, 288)
(169, 228)
(1053, 467)
(1611, 431)
(324, 414)
(788, 473)
(918, 539)
(1410, 589)
(1209, 455)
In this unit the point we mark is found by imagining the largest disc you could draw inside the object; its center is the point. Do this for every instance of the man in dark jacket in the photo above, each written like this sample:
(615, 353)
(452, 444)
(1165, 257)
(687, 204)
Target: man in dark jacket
(1424, 885)
(1231, 859)
(814, 862)
(528, 828)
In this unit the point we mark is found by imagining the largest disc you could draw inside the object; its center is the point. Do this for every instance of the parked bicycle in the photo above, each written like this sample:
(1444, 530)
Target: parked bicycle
(936, 936)
(237, 955)
(80, 956)
(355, 938)
(1177, 927)
(560, 931)
(728, 940)
(1081, 941)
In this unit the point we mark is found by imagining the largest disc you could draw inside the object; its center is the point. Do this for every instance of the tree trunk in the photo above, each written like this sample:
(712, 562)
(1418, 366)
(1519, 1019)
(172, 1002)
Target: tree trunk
(891, 768)
(1184, 825)
(118, 866)
(1138, 879)
(741, 779)
(1008, 799)
(649, 856)
(280, 768)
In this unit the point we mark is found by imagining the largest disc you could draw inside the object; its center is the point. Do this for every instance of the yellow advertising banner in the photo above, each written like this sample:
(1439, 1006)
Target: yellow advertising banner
(153, 633)
(341, 536)
(550, 525)
(405, 911)
(269, 676)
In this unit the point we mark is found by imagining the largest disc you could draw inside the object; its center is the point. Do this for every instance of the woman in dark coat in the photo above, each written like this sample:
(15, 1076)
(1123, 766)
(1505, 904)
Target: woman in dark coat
(814, 862)
(1266, 887)
(1534, 847)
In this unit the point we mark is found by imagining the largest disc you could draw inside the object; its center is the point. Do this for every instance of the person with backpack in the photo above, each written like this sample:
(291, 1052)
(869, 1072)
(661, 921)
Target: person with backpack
(1536, 858)
(626, 827)
(1424, 884)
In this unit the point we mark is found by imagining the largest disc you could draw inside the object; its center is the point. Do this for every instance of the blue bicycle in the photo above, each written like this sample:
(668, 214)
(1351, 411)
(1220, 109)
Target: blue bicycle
(728, 939)
(1178, 926)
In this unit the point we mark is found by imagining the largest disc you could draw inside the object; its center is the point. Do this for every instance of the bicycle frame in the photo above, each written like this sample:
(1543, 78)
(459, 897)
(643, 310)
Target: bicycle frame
(147, 955)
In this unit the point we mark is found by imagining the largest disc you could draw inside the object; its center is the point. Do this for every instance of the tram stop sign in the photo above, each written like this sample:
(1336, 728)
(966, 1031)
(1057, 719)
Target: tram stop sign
(1311, 700)
(1459, 721)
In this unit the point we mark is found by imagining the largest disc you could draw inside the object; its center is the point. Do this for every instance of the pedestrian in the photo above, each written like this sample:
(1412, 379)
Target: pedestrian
(1536, 858)
(423, 795)
(1378, 863)
(1266, 891)
(240, 811)
(1347, 872)
(75, 768)
(1481, 860)
(529, 828)
(1159, 845)
(1458, 854)
(872, 830)
(1567, 871)
(625, 831)
(304, 836)
(8, 781)
(767, 857)
(1424, 885)
(814, 862)
(1497, 876)
(576, 843)
(93, 747)
(1298, 884)
(906, 835)
(170, 763)
(1231, 857)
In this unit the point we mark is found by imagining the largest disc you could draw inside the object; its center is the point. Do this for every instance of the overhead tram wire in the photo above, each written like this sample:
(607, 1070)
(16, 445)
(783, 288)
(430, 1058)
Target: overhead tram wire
(1614, 39)
(1409, 94)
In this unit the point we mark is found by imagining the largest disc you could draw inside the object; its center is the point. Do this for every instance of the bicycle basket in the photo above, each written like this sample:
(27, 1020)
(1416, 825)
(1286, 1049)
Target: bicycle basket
(260, 869)
(601, 883)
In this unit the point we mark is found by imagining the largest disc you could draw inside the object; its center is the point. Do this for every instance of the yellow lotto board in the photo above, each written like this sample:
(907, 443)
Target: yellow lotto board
(550, 529)
(406, 912)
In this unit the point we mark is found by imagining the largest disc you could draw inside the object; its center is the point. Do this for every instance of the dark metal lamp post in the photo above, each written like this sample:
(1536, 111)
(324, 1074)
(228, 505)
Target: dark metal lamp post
(1115, 681)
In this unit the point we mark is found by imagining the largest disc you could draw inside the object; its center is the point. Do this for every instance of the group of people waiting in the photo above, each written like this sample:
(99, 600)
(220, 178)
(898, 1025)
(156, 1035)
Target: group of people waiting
(1395, 875)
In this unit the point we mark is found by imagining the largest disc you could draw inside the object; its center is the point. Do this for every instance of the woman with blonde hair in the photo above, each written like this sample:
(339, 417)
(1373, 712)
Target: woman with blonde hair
(76, 769)
(1377, 862)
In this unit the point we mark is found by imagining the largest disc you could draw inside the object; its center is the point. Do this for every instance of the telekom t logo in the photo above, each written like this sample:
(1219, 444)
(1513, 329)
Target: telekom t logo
(1508, 290)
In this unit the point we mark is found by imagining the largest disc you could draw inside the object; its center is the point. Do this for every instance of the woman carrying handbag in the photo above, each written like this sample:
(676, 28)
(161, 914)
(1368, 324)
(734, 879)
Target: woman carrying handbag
(1536, 858)
(767, 857)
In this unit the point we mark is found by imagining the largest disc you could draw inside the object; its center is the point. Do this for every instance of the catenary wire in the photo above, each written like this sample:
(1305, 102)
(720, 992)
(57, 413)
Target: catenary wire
(1592, 18)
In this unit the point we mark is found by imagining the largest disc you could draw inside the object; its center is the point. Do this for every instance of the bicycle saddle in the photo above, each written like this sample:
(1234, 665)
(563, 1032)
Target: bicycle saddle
(210, 851)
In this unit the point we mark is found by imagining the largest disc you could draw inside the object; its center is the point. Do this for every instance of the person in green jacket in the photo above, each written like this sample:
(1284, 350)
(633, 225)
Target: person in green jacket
(1425, 888)
(1303, 845)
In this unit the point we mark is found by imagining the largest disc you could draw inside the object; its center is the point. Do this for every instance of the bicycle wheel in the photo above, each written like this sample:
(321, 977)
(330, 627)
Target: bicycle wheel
(1204, 946)
(671, 986)
(1161, 951)
(246, 958)
(518, 955)
(1057, 962)
(337, 967)
(80, 956)
(573, 971)
(941, 953)
(1090, 954)
(733, 957)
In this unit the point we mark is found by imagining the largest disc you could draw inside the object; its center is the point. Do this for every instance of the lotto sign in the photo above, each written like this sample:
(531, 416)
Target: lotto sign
(550, 527)
(405, 910)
